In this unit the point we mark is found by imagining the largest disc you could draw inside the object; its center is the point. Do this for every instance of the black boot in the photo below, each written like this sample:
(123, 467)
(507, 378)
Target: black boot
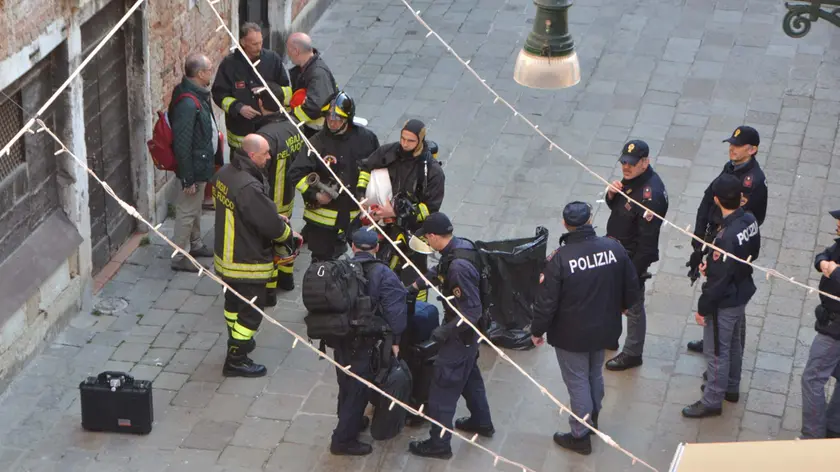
(270, 298)
(623, 362)
(286, 282)
(428, 449)
(582, 445)
(352, 448)
(238, 364)
(696, 346)
(464, 424)
(699, 410)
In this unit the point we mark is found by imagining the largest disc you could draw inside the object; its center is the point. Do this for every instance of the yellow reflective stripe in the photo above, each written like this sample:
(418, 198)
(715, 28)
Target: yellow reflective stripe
(227, 102)
(364, 179)
(279, 183)
(302, 186)
(229, 234)
(230, 318)
(272, 284)
(241, 333)
(422, 295)
(395, 259)
(318, 215)
(354, 214)
(301, 115)
(287, 269)
(287, 95)
(286, 233)
(235, 140)
(241, 270)
(424, 212)
(286, 210)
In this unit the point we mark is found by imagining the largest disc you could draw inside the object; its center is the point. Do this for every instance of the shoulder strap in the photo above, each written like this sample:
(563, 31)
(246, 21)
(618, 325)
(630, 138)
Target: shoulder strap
(187, 94)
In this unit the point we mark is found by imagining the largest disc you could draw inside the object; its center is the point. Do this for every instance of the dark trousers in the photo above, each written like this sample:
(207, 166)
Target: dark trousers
(352, 394)
(242, 319)
(452, 379)
(326, 244)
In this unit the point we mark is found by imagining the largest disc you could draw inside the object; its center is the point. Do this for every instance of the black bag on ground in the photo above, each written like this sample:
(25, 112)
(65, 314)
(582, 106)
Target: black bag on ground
(116, 402)
(397, 382)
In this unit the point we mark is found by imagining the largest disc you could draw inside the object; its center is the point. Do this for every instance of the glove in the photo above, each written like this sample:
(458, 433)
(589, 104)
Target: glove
(693, 265)
(412, 290)
(440, 334)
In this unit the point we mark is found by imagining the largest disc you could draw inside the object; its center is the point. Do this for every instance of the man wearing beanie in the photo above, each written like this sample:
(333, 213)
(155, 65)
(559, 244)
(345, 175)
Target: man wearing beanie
(587, 283)
(726, 292)
(414, 174)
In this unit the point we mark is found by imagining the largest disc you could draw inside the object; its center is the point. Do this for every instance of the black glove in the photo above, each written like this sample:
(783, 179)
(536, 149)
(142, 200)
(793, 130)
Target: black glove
(412, 290)
(440, 334)
(693, 265)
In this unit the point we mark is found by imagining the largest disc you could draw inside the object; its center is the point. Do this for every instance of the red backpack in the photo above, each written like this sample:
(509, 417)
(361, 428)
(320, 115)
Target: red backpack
(160, 146)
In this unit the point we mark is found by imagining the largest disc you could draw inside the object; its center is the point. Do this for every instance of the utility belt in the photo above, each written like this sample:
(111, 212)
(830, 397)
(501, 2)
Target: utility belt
(828, 322)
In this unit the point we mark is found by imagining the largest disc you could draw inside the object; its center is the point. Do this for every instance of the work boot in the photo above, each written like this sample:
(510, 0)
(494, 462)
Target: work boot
(429, 449)
(201, 251)
(465, 424)
(238, 364)
(352, 448)
(270, 299)
(623, 362)
(182, 264)
(731, 397)
(286, 283)
(696, 346)
(699, 410)
(582, 445)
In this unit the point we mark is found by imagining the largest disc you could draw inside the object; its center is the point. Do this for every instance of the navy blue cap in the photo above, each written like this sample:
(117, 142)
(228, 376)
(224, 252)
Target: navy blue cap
(365, 239)
(835, 214)
(436, 223)
(743, 135)
(577, 213)
(727, 187)
(634, 151)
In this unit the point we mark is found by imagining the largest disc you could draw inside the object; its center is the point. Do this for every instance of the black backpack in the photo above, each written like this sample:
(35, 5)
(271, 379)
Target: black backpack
(473, 256)
(334, 294)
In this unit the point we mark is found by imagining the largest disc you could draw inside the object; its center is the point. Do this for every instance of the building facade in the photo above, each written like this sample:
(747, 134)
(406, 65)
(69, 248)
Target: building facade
(58, 227)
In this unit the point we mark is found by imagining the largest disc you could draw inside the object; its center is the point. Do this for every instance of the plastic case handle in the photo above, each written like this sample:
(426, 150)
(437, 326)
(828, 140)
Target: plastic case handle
(114, 379)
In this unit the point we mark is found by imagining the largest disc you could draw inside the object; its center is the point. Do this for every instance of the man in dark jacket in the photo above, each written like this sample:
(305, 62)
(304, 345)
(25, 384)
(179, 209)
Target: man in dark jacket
(388, 294)
(328, 212)
(417, 178)
(235, 84)
(587, 284)
(743, 146)
(194, 143)
(818, 420)
(247, 227)
(312, 83)
(723, 302)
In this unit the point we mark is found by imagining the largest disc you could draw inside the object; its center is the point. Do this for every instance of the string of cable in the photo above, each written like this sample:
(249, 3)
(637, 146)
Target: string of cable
(252, 302)
(375, 226)
(552, 146)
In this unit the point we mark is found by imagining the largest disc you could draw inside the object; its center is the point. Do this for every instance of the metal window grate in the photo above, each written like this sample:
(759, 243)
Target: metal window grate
(11, 120)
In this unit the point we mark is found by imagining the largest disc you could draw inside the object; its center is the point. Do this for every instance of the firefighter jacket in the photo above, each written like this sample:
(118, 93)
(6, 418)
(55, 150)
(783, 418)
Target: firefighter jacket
(233, 89)
(420, 178)
(636, 229)
(316, 79)
(729, 283)
(247, 223)
(754, 200)
(583, 289)
(285, 142)
(343, 151)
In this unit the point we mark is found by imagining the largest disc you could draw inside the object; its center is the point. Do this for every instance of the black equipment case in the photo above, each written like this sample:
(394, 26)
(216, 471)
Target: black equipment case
(116, 402)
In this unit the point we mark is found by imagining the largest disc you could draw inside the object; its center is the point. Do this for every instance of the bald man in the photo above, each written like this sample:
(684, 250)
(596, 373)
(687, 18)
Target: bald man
(312, 83)
(247, 228)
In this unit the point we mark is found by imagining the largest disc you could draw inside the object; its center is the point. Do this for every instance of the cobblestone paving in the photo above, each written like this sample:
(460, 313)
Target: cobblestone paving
(680, 74)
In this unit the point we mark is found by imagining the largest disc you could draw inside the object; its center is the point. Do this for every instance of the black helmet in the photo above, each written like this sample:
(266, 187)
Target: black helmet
(340, 106)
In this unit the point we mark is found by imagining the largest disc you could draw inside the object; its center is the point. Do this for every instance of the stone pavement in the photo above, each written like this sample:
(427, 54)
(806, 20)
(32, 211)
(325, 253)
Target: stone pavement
(679, 74)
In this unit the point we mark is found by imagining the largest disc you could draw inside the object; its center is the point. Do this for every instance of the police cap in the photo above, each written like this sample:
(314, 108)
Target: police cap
(835, 214)
(365, 239)
(436, 223)
(634, 151)
(577, 213)
(743, 135)
(727, 187)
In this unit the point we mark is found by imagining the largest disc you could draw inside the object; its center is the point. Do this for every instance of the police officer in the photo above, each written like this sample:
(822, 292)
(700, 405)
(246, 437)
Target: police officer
(235, 83)
(588, 282)
(456, 371)
(726, 292)
(284, 142)
(743, 146)
(414, 174)
(389, 295)
(343, 144)
(824, 358)
(312, 83)
(638, 231)
(247, 227)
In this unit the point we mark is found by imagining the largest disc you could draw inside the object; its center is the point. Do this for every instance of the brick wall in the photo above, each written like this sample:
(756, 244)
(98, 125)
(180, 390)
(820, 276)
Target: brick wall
(175, 31)
(28, 19)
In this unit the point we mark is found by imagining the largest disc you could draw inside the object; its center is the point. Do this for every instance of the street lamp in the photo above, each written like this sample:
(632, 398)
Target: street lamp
(548, 59)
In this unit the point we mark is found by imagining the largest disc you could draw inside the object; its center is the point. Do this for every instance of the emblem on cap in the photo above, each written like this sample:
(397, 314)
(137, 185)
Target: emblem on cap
(737, 132)
(630, 147)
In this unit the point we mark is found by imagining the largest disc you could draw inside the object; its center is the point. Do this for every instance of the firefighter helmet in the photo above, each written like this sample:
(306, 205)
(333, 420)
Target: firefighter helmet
(340, 107)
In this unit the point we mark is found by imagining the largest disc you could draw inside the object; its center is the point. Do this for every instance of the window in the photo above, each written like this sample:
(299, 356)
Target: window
(11, 121)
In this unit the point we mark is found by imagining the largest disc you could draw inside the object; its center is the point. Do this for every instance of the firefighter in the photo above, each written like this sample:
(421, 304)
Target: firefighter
(743, 146)
(312, 83)
(415, 175)
(328, 211)
(235, 83)
(247, 228)
(284, 142)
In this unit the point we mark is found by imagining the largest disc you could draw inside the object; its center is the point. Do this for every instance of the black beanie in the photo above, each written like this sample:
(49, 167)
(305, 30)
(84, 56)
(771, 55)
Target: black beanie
(418, 128)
